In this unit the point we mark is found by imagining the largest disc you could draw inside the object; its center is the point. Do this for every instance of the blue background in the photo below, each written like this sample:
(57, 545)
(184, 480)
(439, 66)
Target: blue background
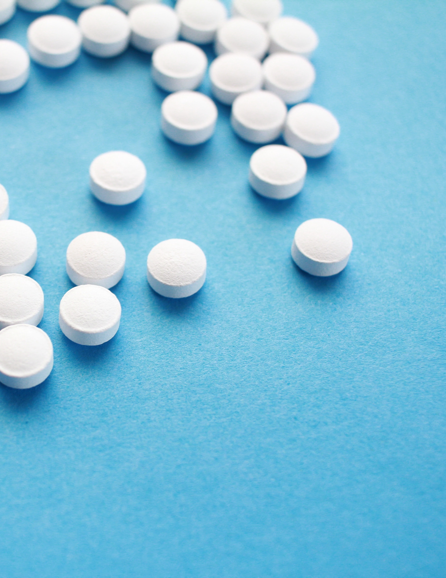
(275, 425)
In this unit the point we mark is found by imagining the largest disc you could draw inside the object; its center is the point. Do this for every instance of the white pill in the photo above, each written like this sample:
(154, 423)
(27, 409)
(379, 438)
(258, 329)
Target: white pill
(289, 76)
(311, 129)
(277, 172)
(188, 118)
(21, 300)
(117, 178)
(105, 31)
(4, 203)
(153, 25)
(178, 66)
(128, 5)
(7, 10)
(261, 11)
(200, 19)
(18, 248)
(321, 247)
(89, 315)
(258, 116)
(85, 3)
(54, 41)
(38, 5)
(176, 268)
(14, 66)
(234, 74)
(95, 258)
(242, 35)
(290, 34)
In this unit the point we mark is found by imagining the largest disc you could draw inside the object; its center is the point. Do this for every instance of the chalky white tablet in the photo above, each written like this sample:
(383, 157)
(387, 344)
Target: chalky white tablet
(54, 41)
(290, 34)
(321, 247)
(153, 25)
(289, 76)
(178, 66)
(233, 74)
(277, 172)
(85, 3)
(200, 19)
(188, 117)
(128, 5)
(176, 268)
(38, 5)
(21, 300)
(105, 31)
(117, 178)
(262, 11)
(4, 203)
(258, 116)
(26, 356)
(14, 66)
(89, 315)
(242, 35)
(95, 258)
(7, 10)
(311, 129)
(18, 248)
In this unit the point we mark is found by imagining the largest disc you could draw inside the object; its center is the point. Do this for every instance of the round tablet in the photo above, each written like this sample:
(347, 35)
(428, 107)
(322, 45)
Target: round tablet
(234, 74)
(89, 315)
(14, 66)
(153, 25)
(4, 203)
(289, 76)
(38, 5)
(277, 172)
(21, 300)
(262, 11)
(7, 10)
(176, 268)
(85, 3)
(290, 34)
(105, 31)
(54, 41)
(95, 259)
(258, 116)
(178, 66)
(242, 35)
(26, 356)
(200, 19)
(127, 5)
(18, 248)
(188, 118)
(311, 129)
(117, 178)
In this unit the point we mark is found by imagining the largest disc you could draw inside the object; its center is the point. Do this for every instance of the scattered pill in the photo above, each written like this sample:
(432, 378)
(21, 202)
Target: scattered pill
(7, 10)
(178, 66)
(242, 35)
(290, 76)
(153, 25)
(18, 248)
(234, 74)
(128, 5)
(85, 3)
(54, 41)
(14, 66)
(105, 31)
(261, 11)
(258, 116)
(4, 203)
(290, 34)
(200, 19)
(38, 5)
(117, 178)
(21, 300)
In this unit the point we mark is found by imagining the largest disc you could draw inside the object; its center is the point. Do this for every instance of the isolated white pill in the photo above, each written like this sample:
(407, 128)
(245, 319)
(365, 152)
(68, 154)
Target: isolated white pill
(7, 10)
(153, 25)
(176, 268)
(289, 76)
(234, 74)
(38, 5)
(105, 31)
(290, 34)
(21, 300)
(89, 315)
(261, 11)
(321, 247)
(18, 247)
(117, 178)
(4, 203)
(85, 3)
(311, 129)
(14, 66)
(258, 116)
(128, 5)
(178, 66)
(54, 41)
(200, 19)
(242, 35)
(277, 172)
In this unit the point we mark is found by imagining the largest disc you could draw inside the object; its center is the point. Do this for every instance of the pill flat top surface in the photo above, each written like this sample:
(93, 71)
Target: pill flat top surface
(232, 74)
(7, 10)
(53, 36)
(290, 34)
(152, 25)
(21, 300)
(38, 5)
(200, 19)
(323, 241)
(289, 75)
(179, 59)
(14, 65)
(18, 247)
(262, 11)
(242, 35)
(4, 203)
(258, 116)
(117, 177)
(313, 123)
(104, 24)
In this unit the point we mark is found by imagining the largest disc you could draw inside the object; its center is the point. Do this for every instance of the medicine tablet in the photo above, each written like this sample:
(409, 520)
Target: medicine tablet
(258, 116)
(4, 203)
(54, 41)
(117, 178)
(21, 300)
(89, 315)
(262, 11)
(321, 247)
(176, 268)
(188, 118)
(234, 74)
(85, 3)
(14, 66)
(26, 356)
(95, 258)
(289, 76)
(277, 172)
(38, 5)
(242, 35)
(290, 34)
(128, 5)
(7, 10)
(200, 19)
(18, 248)
(178, 66)
(311, 129)
(105, 31)
(153, 25)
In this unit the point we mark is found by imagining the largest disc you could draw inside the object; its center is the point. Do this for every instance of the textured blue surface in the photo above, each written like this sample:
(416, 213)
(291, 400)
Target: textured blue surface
(275, 425)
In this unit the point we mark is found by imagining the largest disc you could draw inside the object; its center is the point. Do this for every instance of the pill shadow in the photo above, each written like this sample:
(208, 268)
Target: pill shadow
(322, 164)
(115, 213)
(25, 400)
(321, 285)
(90, 356)
(175, 307)
(273, 206)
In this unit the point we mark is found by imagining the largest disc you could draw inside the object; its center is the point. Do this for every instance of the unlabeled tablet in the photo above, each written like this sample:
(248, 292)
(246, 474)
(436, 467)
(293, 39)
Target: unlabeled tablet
(89, 315)
(117, 178)
(38, 5)
(178, 66)
(290, 34)
(95, 258)
(85, 3)
(176, 268)
(14, 66)
(234, 74)
(262, 11)
(18, 248)
(200, 19)
(153, 25)
(54, 41)
(21, 300)
(258, 116)
(277, 172)
(242, 35)
(321, 247)
(7, 10)
(311, 129)
(4, 203)
(127, 5)
(289, 76)
(105, 31)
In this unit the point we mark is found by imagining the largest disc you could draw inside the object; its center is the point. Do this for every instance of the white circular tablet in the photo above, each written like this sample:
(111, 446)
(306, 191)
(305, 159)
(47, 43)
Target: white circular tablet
(290, 34)
(26, 356)
(38, 5)
(289, 76)
(105, 31)
(21, 300)
(117, 178)
(4, 203)
(262, 11)
(176, 268)
(128, 5)
(54, 41)
(153, 25)
(234, 74)
(14, 66)
(188, 118)
(311, 129)
(178, 66)
(200, 19)
(95, 258)
(258, 116)
(89, 315)
(321, 247)
(85, 3)
(7, 10)
(242, 35)
(18, 248)
(277, 172)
